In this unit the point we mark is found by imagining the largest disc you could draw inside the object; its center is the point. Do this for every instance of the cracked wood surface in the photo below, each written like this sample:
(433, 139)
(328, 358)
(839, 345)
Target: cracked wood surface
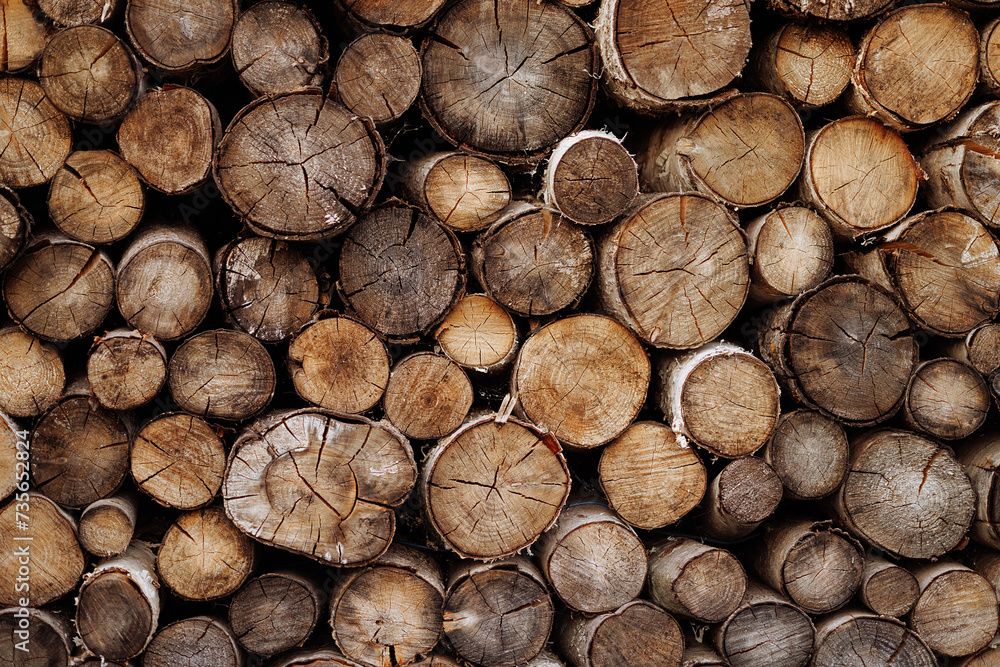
(637, 633)
(767, 629)
(203, 556)
(886, 588)
(35, 137)
(428, 396)
(15, 223)
(590, 178)
(465, 192)
(178, 460)
(809, 64)
(23, 36)
(742, 496)
(96, 197)
(791, 251)
(276, 611)
(107, 525)
(79, 12)
(378, 76)
(946, 399)
(126, 369)
(202, 641)
(389, 15)
(181, 37)
(853, 638)
(956, 613)
(808, 451)
(695, 580)
(32, 376)
(479, 334)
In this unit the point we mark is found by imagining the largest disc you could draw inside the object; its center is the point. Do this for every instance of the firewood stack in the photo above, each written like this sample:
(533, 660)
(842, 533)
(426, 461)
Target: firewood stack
(499, 333)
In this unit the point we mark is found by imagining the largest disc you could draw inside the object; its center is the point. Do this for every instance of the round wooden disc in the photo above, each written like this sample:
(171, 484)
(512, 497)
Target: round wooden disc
(125, 372)
(892, 592)
(822, 571)
(808, 451)
(113, 616)
(363, 80)
(478, 333)
(947, 399)
(273, 613)
(866, 641)
(789, 633)
(179, 460)
(186, 643)
(203, 556)
(584, 378)
(96, 197)
(638, 634)
(749, 490)
(814, 62)
(31, 374)
(594, 181)
(105, 530)
(428, 396)
(465, 192)
(712, 584)
(792, 252)
(278, 47)
(650, 479)
(956, 615)
(38, 135)
(177, 38)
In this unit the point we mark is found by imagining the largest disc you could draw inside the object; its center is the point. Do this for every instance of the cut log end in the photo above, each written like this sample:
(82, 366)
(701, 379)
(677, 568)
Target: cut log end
(362, 81)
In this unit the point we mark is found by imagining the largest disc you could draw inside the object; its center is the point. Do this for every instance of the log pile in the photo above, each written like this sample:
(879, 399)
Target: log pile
(499, 333)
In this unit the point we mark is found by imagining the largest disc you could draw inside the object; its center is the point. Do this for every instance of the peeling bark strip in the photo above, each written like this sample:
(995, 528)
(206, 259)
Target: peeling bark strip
(859, 175)
(181, 37)
(400, 271)
(371, 622)
(79, 450)
(957, 611)
(497, 614)
(479, 335)
(946, 399)
(583, 377)
(56, 559)
(388, 15)
(428, 396)
(886, 588)
(904, 494)
(96, 197)
(299, 166)
(533, 261)
(279, 47)
(674, 270)
(202, 641)
(23, 35)
(808, 451)
(107, 525)
(791, 251)
(50, 639)
(31, 373)
(638, 633)
(916, 66)
(466, 193)
(695, 580)
(178, 460)
(720, 397)
(15, 224)
(203, 556)
(485, 58)
(37, 136)
(767, 629)
(743, 152)
(592, 559)
(962, 166)
(89, 74)
(378, 76)
(268, 288)
(809, 64)
(126, 369)
(276, 611)
(844, 348)
(490, 489)
(169, 136)
(857, 639)
(740, 498)
(222, 374)
(590, 178)
(707, 44)
(324, 486)
(79, 12)
(164, 282)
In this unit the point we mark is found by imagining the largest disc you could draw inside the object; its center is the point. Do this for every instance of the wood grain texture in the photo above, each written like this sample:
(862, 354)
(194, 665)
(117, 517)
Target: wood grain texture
(96, 197)
(178, 460)
(279, 47)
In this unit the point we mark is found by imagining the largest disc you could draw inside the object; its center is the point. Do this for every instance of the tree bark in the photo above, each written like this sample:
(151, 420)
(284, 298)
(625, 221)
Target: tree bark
(202, 641)
(808, 453)
(362, 83)
(956, 613)
(809, 64)
(720, 397)
(638, 633)
(279, 47)
(164, 281)
(96, 197)
(818, 567)
(30, 636)
(181, 40)
(268, 288)
(400, 272)
(791, 251)
(79, 449)
(293, 190)
(339, 364)
(497, 614)
(911, 75)
(590, 178)
(89, 74)
(222, 374)
(980, 348)
(740, 498)
(203, 556)
(649, 477)
(118, 607)
(533, 261)
(904, 494)
(886, 588)
(428, 396)
(178, 460)
(844, 348)
(592, 559)
(522, 50)
(674, 269)
(465, 192)
(24, 35)
(694, 580)
(853, 638)
(946, 399)
(15, 225)
(49, 535)
(169, 136)
(744, 152)
(492, 487)
(126, 369)
(479, 335)
(584, 377)
(276, 611)
(107, 525)
(707, 49)
(79, 12)
(59, 289)
(767, 629)
(331, 499)
(32, 377)
(859, 175)
(371, 626)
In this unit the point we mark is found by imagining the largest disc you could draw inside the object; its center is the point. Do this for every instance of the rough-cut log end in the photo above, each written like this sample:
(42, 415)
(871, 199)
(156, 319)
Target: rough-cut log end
(479, 334)
(810, 64)
(946, 399)
(886, 588)
(107, 525)
(180, 40)
(590, 178)
(638, 633)
(387, 15)
(853, 638)
(465, 192)
(956, 613)
(363, 83)
(791, 251)
(201, 641)
(695, 580)
(126, 369)
(96, 197)
(275, 612)
(203, 556)
(39, 137)
(178, 460)
(24, 34)
(808, 451)
(428, 396)
(740, 498)
(32, 376)
(767, 629)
